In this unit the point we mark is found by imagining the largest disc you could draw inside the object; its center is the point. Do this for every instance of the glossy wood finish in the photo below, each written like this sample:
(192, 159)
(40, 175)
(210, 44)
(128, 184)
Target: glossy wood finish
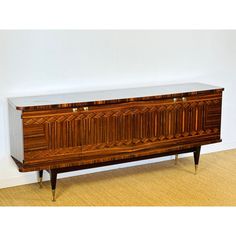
(105, 132)
(70, 100)
(95, 133)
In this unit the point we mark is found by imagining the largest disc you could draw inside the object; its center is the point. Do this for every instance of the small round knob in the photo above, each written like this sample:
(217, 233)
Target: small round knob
(184, 99)
(74, 109)
(175, 99)
(86, 108)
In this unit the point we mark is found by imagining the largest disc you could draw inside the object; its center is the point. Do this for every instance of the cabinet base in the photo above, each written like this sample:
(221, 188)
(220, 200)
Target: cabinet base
(53, 172)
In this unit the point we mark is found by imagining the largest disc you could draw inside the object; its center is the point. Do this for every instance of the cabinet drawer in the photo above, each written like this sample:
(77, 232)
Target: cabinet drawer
(34, 138)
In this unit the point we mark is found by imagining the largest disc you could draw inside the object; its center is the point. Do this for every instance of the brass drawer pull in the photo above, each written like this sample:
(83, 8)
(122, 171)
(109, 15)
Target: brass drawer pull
(175, 99)
(86, 108)
(184, 99)
(74, 109)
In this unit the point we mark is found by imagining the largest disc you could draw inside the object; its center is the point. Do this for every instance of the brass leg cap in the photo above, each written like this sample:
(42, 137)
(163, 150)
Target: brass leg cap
(53, 195)
(196, 169)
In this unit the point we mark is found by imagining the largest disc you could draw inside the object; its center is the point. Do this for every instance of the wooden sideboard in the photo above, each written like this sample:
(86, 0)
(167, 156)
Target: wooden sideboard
(67, 132)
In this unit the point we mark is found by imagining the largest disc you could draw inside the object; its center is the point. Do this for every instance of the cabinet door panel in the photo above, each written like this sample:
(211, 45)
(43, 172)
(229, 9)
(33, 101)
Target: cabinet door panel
(155, 123)
(107, 129)
(34, 137)
(51, 137)
(213, 115)
(160, 124)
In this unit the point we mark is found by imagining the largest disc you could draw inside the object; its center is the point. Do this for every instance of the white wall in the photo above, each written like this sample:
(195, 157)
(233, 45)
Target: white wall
(41, 62)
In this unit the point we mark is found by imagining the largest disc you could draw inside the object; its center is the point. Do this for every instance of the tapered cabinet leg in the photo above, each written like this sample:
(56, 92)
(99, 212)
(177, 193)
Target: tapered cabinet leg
(196, 155)
(40, 178)
(53, 176)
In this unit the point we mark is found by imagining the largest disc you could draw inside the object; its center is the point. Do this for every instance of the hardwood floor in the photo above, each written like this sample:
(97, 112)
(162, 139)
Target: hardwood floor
(160, 184)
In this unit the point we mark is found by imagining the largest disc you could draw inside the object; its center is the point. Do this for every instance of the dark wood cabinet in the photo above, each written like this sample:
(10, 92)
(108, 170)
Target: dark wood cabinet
(68, 132)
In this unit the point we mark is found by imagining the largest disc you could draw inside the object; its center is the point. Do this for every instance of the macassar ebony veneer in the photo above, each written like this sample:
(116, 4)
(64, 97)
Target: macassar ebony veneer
(67, 132)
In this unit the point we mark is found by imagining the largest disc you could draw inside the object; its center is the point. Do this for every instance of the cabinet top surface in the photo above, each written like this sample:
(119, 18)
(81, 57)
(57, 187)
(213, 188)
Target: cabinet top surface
(105, 95)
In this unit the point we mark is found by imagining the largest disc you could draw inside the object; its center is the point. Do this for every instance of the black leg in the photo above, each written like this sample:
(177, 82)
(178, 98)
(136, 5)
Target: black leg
(53, 175)
(41, 178)
(196, 155)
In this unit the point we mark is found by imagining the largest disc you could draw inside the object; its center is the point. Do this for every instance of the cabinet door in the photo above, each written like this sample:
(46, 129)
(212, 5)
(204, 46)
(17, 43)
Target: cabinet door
(200, 118)
(175, 122)
(107, 130)
(156, 122)
(51, 135)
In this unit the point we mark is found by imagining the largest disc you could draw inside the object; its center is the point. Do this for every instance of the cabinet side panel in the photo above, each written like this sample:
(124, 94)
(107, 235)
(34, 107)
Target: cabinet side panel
(16, 133)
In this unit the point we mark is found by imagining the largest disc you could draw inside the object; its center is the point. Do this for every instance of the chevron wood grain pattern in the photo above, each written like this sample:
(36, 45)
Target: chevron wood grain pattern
(118, 129)
(102, 133)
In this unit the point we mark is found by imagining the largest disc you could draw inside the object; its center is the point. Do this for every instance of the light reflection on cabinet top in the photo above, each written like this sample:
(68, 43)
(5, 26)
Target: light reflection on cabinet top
(105, 95)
